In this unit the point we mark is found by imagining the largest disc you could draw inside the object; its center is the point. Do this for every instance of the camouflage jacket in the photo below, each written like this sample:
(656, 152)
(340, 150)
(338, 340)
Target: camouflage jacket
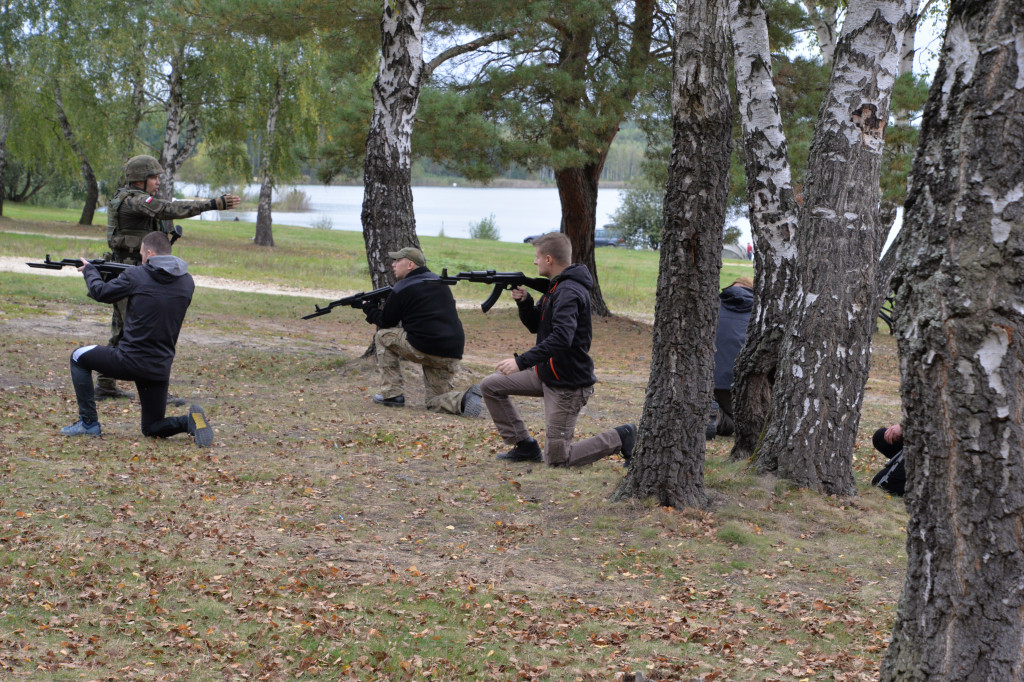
(133, 213)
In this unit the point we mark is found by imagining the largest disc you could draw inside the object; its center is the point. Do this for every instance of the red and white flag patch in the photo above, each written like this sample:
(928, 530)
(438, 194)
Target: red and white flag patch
(149, 199)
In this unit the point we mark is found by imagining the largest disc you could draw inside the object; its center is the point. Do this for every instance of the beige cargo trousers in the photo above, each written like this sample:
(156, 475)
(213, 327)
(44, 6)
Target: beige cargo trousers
(392, 346)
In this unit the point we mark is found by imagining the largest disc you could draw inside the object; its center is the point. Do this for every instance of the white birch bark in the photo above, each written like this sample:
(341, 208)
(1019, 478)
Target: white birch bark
(773, 219)
(824, 359)
(387, 215)
(824, 21)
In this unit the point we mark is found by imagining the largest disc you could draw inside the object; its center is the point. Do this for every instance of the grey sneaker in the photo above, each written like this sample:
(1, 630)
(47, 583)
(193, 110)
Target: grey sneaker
(397, 401)
(79, 428)
(472, 402)
(199, 428)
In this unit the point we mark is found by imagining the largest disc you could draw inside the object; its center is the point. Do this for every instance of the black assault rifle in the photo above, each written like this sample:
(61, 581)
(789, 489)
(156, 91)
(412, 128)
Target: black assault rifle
(357, 300)
(108, 270)
(501, 282)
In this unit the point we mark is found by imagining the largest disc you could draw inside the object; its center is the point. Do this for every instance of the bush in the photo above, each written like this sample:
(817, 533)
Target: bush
(639, 216)
(323, 223)
(485, 229)
(295, 200)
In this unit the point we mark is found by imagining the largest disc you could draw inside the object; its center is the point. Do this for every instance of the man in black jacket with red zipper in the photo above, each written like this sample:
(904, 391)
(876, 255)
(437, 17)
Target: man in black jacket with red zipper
(558, 368)
(159, 293)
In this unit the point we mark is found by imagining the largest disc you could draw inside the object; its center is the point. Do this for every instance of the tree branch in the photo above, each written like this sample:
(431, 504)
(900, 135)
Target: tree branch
(457, 50)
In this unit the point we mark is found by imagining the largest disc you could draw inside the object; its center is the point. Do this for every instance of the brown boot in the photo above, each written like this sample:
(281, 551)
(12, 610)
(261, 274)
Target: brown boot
(108, 393)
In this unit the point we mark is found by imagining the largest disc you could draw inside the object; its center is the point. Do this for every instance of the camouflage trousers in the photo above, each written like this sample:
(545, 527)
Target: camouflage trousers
(118, 312)
(392, 347)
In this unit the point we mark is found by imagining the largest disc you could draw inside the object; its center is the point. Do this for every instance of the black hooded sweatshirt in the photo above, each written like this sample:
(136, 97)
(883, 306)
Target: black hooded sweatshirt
(159, 293)
(561, 320)
(734, 308)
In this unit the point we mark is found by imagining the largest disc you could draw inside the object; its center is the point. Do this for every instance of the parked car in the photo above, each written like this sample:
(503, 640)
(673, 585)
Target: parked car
(602, 237)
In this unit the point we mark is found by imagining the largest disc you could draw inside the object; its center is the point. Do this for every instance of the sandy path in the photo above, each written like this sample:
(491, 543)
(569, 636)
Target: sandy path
(13, 264)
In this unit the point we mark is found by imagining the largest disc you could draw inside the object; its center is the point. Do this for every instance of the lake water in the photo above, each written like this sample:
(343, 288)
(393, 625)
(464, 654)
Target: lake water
(518, 213)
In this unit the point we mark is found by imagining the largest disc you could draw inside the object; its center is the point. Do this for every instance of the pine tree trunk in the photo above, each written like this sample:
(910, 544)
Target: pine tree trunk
(668, 460)
(960, 319)
(773, 222)
(826, 348)
(92, 188)
(387, 216)
(577, 192)
(264, 220)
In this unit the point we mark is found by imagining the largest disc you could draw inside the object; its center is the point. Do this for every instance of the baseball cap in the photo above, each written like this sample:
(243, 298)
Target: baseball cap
(410, 252)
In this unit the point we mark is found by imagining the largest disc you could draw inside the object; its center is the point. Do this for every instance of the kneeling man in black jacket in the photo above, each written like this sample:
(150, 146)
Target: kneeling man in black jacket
(419, 323)
(159, 293)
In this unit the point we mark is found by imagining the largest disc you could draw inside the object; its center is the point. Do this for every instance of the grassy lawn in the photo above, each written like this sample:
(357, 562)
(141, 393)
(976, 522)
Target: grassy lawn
(324, 537)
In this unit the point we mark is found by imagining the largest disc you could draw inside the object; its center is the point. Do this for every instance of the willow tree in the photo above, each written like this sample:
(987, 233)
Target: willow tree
(960, 320)
(668, 460)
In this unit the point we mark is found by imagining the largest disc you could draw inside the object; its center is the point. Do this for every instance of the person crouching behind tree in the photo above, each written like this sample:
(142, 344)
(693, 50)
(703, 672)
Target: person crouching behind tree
(133, 212)
(558, 368)
(158, 293)
(419, 323)
(735, 303)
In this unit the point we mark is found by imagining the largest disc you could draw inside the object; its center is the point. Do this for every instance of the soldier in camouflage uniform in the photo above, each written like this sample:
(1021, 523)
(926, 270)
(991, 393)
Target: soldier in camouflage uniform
(133, 212)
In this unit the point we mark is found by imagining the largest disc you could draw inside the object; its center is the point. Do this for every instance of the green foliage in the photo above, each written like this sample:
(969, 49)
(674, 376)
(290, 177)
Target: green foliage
(732, 235)
(487, 228)
(639, 216)
(295, 200)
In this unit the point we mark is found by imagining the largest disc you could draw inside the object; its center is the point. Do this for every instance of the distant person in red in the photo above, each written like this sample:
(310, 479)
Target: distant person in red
(750, 251)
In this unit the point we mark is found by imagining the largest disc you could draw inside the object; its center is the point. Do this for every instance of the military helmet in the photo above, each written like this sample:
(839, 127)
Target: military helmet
(141, 167)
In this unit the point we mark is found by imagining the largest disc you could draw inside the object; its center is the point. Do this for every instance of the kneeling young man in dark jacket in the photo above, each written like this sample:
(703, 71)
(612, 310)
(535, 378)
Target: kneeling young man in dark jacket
(558, 368)
(159, 293)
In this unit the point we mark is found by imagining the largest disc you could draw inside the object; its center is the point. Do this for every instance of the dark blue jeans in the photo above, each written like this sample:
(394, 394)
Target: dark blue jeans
(152, 394)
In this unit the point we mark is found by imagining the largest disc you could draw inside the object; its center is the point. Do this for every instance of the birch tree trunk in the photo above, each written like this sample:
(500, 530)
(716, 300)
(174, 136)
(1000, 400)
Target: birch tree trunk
(264, 231)
(823, 19)
(826, 348)
(773, 221)
(178, 145)
(960, 319)
(668, 460)
(907, 48)
(387, 215)
(92, 187)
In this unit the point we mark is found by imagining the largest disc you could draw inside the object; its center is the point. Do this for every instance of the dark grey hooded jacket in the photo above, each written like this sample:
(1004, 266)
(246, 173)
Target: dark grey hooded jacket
(159, 293)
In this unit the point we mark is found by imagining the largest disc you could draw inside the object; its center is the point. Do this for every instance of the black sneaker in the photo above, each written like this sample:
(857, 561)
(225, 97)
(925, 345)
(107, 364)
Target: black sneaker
(526, 450)
(627, 434)
(472, 402)
(199, 428)
(104, 393)
(397, 401)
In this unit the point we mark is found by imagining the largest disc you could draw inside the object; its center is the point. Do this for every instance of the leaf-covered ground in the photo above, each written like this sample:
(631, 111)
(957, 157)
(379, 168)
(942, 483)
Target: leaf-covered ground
(326, 537)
